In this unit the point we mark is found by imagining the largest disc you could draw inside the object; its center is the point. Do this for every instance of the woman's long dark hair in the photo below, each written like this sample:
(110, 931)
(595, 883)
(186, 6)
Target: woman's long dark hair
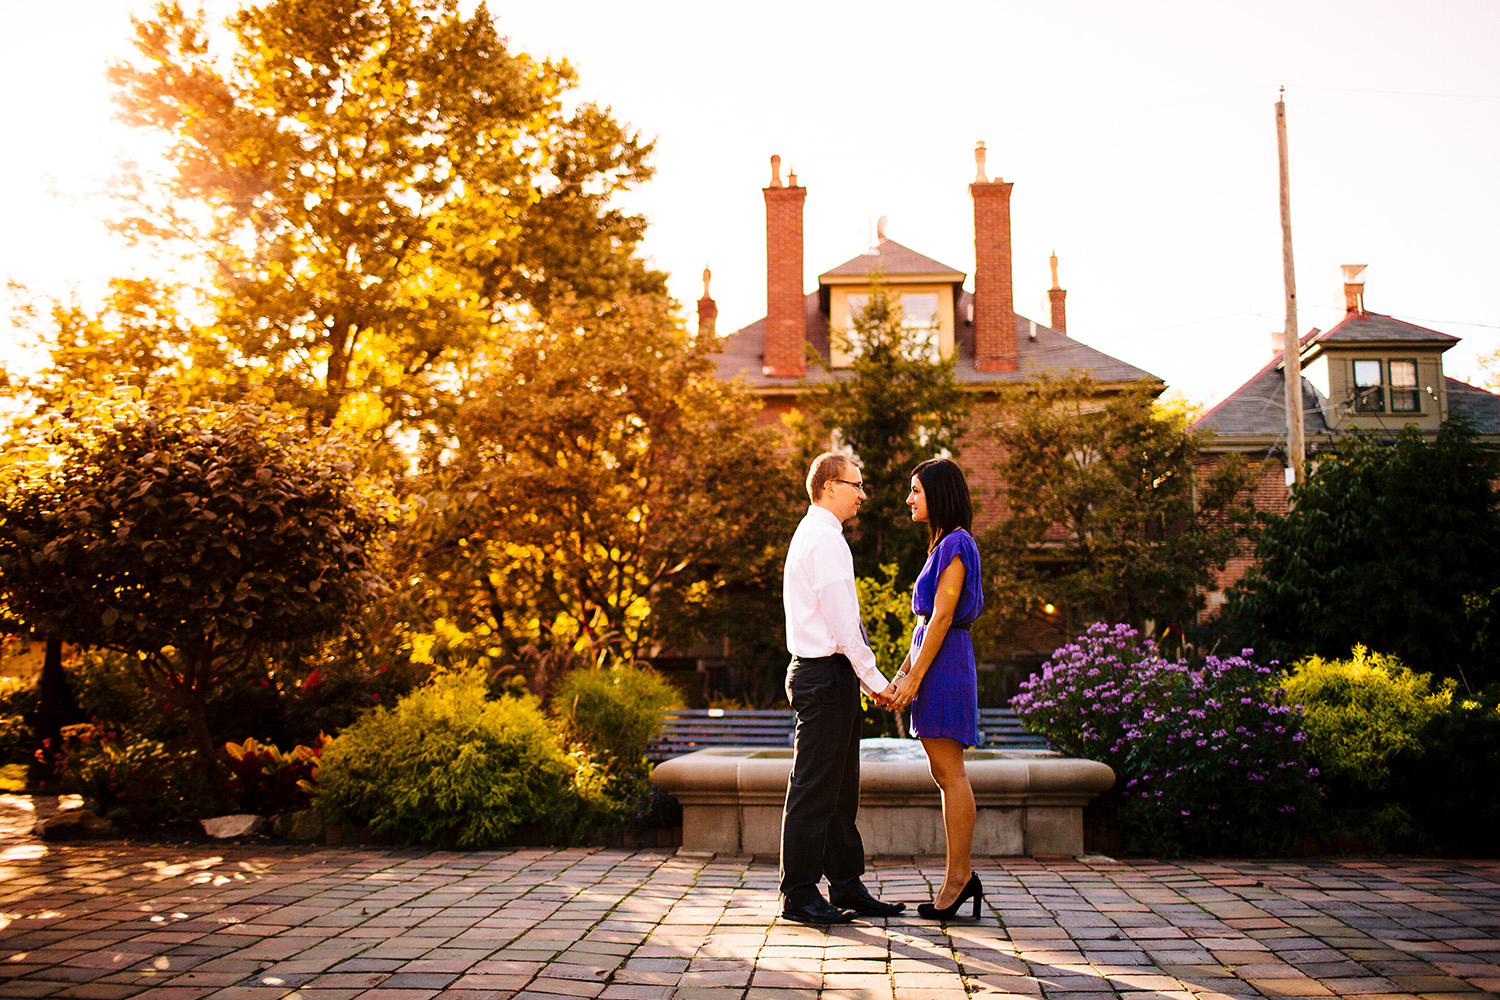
(947, 493)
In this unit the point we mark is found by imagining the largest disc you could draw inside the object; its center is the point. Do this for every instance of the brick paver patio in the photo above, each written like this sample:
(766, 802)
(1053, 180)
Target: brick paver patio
(245, 922)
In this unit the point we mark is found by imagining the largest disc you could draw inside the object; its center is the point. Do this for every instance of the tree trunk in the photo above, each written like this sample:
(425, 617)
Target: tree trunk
(202, 738)
(56, 707)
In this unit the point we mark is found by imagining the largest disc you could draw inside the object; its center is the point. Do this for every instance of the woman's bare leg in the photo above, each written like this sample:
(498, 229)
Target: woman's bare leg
(945, 758)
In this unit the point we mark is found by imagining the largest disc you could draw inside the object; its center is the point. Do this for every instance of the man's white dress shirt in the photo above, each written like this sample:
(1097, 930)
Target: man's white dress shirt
(822, 606)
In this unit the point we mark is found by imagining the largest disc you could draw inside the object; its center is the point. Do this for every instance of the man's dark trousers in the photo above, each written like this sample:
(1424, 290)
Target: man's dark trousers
(818, 835)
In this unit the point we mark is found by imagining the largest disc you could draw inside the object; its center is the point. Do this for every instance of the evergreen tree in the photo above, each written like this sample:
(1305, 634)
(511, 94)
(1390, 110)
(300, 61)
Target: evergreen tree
(898, 406)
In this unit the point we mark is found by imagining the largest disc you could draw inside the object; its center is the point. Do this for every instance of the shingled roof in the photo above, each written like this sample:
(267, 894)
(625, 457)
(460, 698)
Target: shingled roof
(1368, 328)
(1479, 408)
(1258, 408)
(893, 260)
(1051, 352)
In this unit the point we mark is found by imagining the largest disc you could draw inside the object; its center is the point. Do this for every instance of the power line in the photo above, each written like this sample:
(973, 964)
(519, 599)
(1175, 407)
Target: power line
(1395, 93)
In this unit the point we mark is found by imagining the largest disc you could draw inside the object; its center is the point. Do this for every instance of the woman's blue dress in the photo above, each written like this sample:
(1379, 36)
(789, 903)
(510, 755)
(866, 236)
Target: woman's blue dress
(947, 702)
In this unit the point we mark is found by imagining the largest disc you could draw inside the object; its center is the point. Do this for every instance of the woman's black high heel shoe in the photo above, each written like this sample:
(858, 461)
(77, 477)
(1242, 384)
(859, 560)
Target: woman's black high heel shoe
(972, 890)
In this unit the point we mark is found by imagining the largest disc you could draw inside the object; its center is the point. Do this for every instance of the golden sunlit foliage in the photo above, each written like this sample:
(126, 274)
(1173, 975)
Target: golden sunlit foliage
(371, 191)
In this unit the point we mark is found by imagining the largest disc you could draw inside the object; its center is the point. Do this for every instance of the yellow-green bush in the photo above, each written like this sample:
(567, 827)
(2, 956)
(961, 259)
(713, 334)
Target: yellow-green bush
(1362, 713)
(448, 763)
(614, 712)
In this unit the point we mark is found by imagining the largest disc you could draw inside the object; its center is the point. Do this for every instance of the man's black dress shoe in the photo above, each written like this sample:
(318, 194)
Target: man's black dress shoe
(861, 902)
(819, 911)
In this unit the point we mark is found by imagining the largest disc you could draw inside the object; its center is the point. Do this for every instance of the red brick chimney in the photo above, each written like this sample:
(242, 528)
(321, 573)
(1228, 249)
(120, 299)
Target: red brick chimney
(1354, 289)
(786, 319)
(1057, 297)
(995, 348)
(708, 312)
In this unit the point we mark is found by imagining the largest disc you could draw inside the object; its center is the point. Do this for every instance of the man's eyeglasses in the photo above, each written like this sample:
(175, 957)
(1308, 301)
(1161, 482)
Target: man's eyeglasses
(858, 486)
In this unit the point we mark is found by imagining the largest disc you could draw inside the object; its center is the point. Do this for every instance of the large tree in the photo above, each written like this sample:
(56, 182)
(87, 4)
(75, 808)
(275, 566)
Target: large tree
(1110, 512)
(197, 540)
(897, 405)
(1384, 545)
(603, 488)
(371, 188)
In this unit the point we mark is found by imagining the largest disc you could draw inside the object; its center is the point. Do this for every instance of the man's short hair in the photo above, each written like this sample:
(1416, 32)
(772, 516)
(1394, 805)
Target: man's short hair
(827, 467)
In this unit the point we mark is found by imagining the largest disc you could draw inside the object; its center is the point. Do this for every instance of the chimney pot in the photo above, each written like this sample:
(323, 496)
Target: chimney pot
(979, 174)
(776, 171)
(1057, 300)
(791, 177)
(708, 311)
(1354, 289)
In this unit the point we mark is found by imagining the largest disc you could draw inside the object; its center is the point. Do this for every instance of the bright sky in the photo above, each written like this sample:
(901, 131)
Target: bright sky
(1140, 138)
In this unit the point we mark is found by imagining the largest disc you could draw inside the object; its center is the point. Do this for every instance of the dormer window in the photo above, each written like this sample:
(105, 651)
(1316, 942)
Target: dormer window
(1405, 396)
(1386, 387)
(919, 315)
(1367, 394)
(919, 310)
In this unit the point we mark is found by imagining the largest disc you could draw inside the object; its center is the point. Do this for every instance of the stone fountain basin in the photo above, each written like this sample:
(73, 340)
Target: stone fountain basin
(1030, 802)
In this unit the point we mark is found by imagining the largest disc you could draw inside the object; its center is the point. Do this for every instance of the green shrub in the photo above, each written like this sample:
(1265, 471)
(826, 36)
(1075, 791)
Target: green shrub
(614, 713)
(886, 604)
(1454, 787)
(1362, 713)
(1371, 725)
(610, 716)
(132, 778)
(18, 705)
(317, 688)
(447, 763)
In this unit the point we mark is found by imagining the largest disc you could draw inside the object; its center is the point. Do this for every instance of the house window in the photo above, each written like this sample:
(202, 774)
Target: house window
(919, 311)
(919, 315)
(1367, 395)
(1377, 381)
(1405, 396)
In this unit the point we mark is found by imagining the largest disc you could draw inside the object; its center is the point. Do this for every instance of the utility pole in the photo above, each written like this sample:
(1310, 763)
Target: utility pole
(1291, 349)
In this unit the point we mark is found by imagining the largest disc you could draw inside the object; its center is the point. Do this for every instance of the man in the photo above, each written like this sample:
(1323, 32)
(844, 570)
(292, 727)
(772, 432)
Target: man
(831, 662)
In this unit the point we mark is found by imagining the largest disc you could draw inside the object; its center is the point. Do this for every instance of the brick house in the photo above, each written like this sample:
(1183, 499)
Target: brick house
(991, 343)
(1369, 371)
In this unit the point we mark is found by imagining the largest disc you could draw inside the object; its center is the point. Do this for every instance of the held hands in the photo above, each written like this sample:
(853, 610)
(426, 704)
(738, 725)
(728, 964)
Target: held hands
(898, 694)
(902, 690)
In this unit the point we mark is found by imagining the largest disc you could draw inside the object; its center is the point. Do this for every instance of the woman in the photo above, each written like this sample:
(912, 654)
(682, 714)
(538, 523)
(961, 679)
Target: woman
(937, 678)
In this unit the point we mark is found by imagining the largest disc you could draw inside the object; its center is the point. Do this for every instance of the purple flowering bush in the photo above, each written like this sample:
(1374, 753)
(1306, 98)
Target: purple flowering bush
(1206, 757)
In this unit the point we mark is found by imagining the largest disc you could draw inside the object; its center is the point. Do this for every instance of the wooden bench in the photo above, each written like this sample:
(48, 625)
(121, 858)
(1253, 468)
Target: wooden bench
(687, 729)
(1001, 729)
(684, 730)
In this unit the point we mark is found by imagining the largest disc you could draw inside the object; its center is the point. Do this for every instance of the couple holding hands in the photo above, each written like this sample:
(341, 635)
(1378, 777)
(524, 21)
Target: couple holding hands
(832, 662)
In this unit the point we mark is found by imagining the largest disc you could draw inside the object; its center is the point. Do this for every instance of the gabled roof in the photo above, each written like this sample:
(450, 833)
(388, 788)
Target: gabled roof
(1258, 408)
(1052, 352)
(1480, 408)
(893, 260)
(1373, 328)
